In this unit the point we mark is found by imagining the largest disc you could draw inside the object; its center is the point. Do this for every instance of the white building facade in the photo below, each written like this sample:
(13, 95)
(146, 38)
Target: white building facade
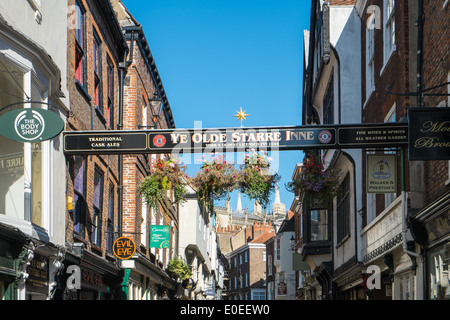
(285, 288)
(197, 245)
(33, 59)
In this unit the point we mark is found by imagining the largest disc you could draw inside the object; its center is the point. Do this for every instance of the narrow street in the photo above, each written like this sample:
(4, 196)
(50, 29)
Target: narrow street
(243, 152)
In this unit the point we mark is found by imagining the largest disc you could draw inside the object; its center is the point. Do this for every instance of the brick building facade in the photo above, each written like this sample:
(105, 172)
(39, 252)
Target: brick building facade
(385, 63)
(247, 269)
(430, 221)
(95, 50)
(145, 107)
(404, 64)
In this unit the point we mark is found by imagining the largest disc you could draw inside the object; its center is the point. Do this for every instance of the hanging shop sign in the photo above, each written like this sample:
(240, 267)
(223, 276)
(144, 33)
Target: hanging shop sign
(124, 248)
(30, 125)
(429, 133)
(159, 236)
(37, 281)
(381, 173)
(236, 139)
(281, 288)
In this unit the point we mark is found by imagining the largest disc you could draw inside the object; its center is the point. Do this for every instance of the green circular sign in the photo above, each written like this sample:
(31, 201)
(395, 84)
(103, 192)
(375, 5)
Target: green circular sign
(30, 125)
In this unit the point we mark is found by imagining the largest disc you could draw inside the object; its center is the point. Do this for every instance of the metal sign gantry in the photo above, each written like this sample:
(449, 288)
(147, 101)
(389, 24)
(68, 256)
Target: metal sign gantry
(347, 136)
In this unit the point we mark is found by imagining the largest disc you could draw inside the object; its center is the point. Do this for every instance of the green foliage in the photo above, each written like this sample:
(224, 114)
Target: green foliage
(167, 176)
(179, 269)
(214, 181)
(317, 185)
(257, 180)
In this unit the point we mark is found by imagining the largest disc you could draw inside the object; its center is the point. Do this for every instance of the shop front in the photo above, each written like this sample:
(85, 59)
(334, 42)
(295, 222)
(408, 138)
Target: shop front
(430, 227)
(89, 277)
(144, 280)
(12, 251)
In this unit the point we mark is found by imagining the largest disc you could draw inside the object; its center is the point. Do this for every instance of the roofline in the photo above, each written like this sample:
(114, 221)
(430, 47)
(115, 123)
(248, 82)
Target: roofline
(151, 65)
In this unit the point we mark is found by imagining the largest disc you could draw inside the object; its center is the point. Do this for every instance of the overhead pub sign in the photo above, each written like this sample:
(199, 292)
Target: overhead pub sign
(429, 133)
(236, 139)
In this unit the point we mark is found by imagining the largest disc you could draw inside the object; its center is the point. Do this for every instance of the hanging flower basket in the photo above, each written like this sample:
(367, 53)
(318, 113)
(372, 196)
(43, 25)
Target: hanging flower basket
(167, 175)
(214, 181)
(178, 269)
(257, 182)
(317, 185)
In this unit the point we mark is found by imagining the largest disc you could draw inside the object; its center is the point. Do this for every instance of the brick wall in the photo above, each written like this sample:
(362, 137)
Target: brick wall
(400, 75)
(138, 90)
(84, 116)
(257, 265)
(436, 67)
(342, 2)
(394, 72)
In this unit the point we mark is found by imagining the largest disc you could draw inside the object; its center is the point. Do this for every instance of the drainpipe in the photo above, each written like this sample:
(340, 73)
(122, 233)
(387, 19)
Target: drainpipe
(310, 68)
(419, 22)
(122, 71)
(123, 67)
(404, 208)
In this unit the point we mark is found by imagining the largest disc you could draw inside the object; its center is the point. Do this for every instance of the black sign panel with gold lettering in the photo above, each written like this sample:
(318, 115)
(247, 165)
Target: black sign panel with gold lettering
(104, 142)
(237, 139)
(429, 134)
(240, 139)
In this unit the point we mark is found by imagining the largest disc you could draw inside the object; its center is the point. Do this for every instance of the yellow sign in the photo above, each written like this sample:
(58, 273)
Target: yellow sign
(381, 173)
(124, 248)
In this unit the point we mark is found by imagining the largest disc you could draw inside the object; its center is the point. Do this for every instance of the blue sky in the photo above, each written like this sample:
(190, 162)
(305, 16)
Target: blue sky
(217, 56)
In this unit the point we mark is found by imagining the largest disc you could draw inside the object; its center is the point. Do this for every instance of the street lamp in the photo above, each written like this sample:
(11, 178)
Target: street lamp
(156, 99)
(154, 102)
(292, 242)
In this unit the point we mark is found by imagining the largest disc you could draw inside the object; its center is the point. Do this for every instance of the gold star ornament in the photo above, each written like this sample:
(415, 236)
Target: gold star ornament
(241, 115)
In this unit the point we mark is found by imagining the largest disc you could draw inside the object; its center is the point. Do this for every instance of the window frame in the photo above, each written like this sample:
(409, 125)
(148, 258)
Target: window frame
(97, 69)
(343, 207)
(110, 93)
(370, 62)
(79, 215)
(327, 224)
(80, 44)
(388, 30)
(328, 102)
(110, 235)
(97, 209)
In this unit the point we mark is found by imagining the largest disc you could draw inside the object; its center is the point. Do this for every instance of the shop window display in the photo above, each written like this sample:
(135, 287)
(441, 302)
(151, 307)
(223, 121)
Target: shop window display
(438, 265)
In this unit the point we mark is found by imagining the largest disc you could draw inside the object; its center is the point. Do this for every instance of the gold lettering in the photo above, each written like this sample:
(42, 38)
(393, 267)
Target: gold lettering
(430, 142)
(431, 126)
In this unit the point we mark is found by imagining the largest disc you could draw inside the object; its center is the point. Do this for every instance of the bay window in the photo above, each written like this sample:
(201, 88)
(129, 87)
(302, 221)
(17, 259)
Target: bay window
(23, 184)
(318, 219)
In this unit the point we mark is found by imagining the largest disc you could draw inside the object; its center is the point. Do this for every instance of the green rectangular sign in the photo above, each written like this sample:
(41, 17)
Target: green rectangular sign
(159, 236)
